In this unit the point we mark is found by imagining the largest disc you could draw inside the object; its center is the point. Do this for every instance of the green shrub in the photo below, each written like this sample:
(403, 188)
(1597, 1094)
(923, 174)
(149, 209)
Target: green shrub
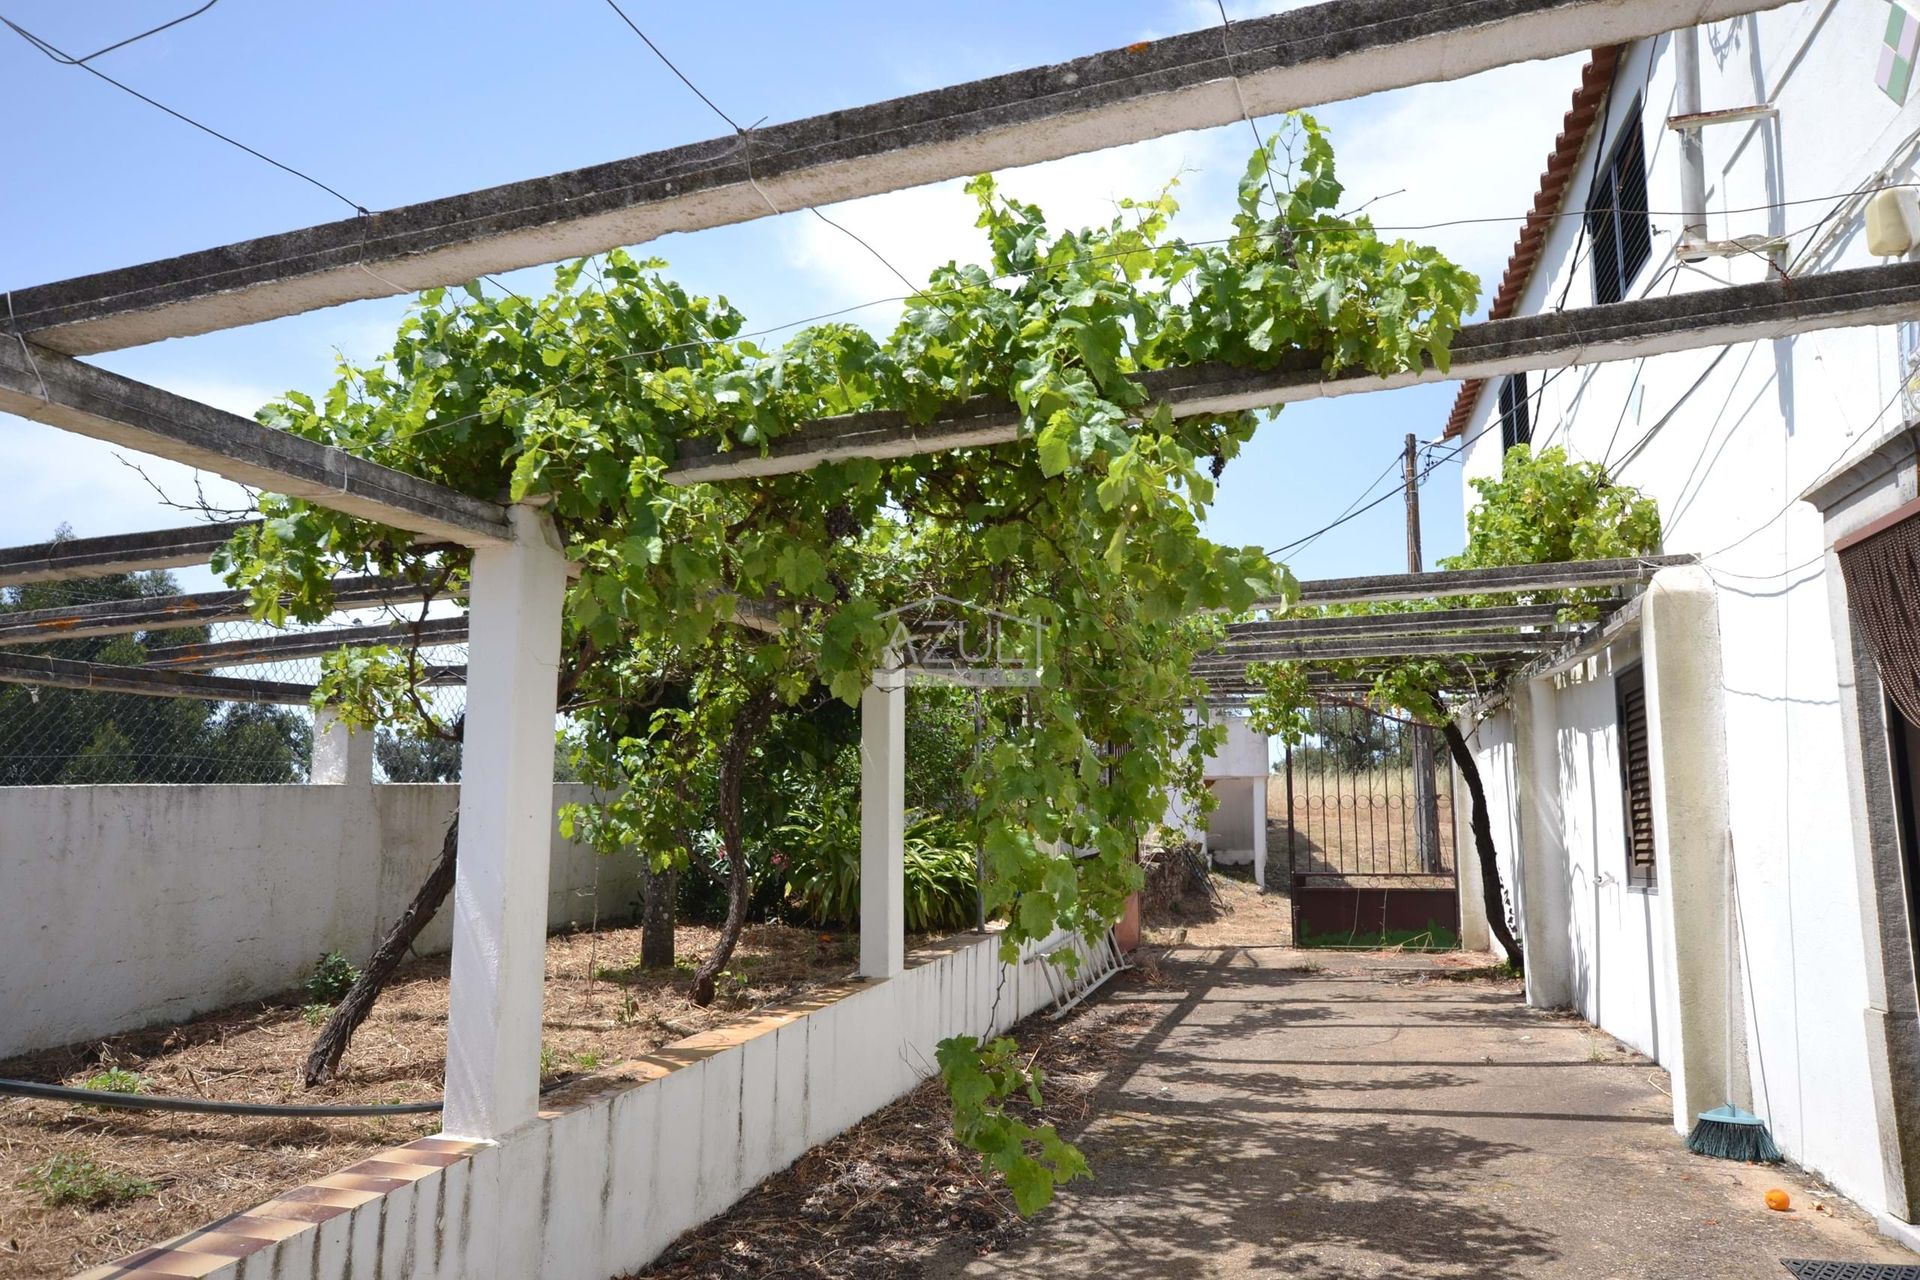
(821, 853)
(333, 976)
(77, 1180)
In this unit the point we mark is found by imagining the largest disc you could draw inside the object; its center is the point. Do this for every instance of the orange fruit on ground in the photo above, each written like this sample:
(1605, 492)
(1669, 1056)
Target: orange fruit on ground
(1778, 1199)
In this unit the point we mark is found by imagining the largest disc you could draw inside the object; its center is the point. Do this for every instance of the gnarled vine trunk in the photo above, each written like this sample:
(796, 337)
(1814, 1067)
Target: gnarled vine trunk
(748, 725)
(331, 1044)
(656, 917)
(1482, 827)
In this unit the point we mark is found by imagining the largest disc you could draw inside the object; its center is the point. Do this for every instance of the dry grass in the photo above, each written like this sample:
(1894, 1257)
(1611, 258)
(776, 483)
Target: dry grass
(600, 1008)
(882, 1198)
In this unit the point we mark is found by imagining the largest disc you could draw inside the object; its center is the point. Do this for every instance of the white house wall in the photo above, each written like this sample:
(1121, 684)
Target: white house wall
(131, 905)
(1619, 952)
(1727, 467)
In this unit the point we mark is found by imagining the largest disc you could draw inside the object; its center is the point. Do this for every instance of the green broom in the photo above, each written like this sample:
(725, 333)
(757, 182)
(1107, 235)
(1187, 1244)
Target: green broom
(1728, 1132)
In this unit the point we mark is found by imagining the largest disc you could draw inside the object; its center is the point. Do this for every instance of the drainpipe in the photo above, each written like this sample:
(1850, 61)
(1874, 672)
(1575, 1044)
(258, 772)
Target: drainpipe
(1693, 160)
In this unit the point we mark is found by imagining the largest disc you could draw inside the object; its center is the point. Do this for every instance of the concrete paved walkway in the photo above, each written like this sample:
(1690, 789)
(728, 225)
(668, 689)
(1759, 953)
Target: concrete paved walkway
(1367, 1120)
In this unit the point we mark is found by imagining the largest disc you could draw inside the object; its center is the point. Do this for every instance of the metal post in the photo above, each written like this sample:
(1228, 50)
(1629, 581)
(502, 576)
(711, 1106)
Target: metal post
(1693, 162)
(1293, 882)
(883, 752)
(979, 845)
(1426, 800)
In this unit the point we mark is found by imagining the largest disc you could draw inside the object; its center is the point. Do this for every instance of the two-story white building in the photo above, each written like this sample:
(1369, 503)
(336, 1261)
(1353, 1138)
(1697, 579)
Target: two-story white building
(1744, 801)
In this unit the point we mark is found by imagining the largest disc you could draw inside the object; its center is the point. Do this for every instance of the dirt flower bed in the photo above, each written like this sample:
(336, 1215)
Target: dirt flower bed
(895, 1190)
(80, 1186)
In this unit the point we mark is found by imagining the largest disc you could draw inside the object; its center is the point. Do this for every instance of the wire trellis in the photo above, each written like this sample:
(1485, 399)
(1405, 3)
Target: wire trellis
(57, 736)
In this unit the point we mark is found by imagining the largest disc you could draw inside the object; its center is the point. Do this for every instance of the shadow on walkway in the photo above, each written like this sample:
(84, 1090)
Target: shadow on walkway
(1350, 1120)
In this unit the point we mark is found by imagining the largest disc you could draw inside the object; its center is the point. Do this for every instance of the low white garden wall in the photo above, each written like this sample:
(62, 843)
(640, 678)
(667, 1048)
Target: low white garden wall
(620, 1164)
(132, 905)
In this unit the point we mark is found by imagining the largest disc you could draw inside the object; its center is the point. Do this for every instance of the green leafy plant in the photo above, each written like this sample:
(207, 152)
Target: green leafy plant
(315, 1014)
(1091, 523)
(823, 867)
(332, 977)
(78, 1180)
(980, 1079)
(549, 1061)
(116, 1080)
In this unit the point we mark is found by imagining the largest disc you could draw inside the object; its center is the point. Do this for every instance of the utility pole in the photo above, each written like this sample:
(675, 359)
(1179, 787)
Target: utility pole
(1426, 803)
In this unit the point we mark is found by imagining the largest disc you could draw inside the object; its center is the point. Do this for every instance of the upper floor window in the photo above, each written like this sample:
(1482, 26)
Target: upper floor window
(1515, 428)
(1620, 238)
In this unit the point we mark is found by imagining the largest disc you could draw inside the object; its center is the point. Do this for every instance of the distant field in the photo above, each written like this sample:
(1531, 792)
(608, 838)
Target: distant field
(1357, 823)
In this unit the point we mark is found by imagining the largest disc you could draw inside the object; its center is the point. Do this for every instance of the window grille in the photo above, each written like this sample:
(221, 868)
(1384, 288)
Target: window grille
(1636, 777)
(1515, 428)
(1619, 233)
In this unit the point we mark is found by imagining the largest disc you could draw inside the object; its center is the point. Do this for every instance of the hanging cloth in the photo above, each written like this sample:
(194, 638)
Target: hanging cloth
(1881, 565)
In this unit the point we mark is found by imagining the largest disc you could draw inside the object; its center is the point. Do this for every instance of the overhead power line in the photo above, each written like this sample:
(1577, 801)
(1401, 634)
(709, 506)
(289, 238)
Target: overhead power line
(66, 59)
(745, 133)
(135, 39)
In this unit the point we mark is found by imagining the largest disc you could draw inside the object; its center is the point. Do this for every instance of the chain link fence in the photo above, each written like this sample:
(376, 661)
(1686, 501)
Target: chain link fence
(58, 736)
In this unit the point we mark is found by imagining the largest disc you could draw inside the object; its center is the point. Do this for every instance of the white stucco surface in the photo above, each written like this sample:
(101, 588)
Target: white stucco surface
(131, 905)
(1726, 441)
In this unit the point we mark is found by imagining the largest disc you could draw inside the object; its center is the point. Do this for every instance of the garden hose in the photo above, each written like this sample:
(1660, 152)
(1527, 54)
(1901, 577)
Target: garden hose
(206, 1106)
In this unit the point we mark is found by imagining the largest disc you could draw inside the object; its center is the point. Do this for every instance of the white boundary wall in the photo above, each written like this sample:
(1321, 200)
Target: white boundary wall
(618, 1165)
(132, 905)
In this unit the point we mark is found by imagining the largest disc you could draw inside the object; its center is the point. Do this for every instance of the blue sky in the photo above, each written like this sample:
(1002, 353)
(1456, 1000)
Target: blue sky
(391, 103)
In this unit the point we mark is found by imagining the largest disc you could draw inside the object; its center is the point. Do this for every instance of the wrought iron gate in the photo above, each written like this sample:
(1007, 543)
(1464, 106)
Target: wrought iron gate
(1369, 832)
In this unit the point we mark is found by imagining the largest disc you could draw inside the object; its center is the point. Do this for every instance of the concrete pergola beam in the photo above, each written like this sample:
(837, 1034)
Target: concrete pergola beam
(66, 558)
(103, 677)
(1353, 626)
(1523, 344)
(1479, 644)
(305, 644)
(62, 392)
(1325, 53)
(168, 613)
(1566, 575)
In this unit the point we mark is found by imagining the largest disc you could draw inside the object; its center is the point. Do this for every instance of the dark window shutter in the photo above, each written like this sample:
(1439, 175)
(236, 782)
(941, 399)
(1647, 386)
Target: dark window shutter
(1620, 232)
(1636, 776)
(1601, 252)
(1514, 425)
(1630, 188)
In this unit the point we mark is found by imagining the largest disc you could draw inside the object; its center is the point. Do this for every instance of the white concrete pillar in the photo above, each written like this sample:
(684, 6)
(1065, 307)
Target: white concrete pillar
(1687, 756)
(1260, 834)
(506, 819)
(883, 825)
(342, 756)
(1545, 898)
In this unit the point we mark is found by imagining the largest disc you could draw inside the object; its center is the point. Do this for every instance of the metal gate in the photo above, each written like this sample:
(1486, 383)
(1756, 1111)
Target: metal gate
(1369, 832)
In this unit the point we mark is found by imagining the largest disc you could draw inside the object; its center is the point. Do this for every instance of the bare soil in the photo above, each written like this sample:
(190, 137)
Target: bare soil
(882, 1199)
(600, 1008)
